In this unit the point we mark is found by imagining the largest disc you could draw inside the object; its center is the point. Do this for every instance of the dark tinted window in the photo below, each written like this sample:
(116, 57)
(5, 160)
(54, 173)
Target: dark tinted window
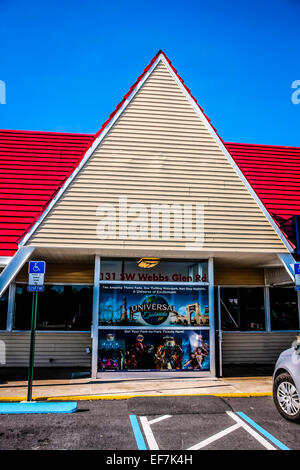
(284, 309)
(242, 309)
(59, 308)
(3, 310)
(230, 309)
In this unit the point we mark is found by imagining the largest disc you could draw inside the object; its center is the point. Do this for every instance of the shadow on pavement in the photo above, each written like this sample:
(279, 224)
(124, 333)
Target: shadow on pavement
(248, 370)
(42, 373)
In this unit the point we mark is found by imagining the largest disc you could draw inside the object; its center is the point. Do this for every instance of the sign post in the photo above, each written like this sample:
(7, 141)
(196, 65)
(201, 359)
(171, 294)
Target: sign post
(36, 273)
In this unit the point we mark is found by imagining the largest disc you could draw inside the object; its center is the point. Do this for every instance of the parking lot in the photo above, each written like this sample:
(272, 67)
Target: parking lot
(156, 423)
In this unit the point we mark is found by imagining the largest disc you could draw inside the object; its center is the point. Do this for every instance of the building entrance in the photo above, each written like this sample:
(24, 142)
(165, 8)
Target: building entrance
(150, 328)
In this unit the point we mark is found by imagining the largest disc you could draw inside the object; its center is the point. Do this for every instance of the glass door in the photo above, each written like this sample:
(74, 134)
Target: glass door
(157, 323)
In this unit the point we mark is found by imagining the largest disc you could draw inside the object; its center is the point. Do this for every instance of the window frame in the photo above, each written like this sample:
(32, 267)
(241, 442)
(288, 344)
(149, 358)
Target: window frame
(267, 304)
(265, 330)
(14, 330)
(8, 290)
(298, 309)
(11, 309)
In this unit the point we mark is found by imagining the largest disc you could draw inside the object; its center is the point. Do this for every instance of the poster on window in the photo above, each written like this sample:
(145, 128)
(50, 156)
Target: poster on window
(154, 350)
(153, 305)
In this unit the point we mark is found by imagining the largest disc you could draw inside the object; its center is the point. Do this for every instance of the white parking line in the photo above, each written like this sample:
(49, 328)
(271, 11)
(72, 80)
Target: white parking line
(152, 444)
(251, 431)
(156, 420)
(215, 437)
(148, 433)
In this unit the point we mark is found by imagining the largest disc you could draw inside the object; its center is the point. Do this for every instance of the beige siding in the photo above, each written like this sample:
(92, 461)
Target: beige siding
(229, 276)
(69, 273)
(277, 276)
(260, 348)
(159, 151)
(65, 349)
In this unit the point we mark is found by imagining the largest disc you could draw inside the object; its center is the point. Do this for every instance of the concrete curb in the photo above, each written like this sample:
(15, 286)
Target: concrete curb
(126, 397)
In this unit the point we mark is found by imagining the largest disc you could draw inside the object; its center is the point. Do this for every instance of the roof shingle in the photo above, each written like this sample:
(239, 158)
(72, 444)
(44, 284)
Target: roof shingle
(33, 167)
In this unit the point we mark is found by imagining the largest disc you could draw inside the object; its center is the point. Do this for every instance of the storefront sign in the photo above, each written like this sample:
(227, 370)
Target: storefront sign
(153, 350)
(153, 305)
(162, 271)
(154, 277)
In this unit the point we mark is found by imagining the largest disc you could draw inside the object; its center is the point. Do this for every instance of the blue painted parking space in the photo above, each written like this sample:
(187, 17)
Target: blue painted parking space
(215, 425)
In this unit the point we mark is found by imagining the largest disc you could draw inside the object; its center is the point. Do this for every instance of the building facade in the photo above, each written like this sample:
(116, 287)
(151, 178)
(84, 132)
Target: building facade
(167, 250)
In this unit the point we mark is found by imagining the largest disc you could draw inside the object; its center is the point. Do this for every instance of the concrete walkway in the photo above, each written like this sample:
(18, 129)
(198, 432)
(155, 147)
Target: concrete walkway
(87, 388)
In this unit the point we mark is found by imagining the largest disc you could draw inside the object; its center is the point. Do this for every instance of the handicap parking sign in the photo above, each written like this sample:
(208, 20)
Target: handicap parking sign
(36, 273)
(36, 267)
(297, 275)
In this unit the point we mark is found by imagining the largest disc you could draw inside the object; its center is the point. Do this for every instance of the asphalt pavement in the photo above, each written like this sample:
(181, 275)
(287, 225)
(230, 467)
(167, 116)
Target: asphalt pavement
(155, 423)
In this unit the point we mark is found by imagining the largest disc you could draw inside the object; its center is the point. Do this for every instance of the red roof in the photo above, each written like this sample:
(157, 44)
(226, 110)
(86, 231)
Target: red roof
(274, 173)
(35, 165)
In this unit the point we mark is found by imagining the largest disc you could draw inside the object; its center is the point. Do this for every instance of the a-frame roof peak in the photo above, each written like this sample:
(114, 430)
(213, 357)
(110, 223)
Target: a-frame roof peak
(152, 127)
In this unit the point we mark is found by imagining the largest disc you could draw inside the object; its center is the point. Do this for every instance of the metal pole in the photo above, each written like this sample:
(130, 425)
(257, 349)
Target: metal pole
(220, 333)
(32, 345)
(211, 317)
(298, 305)
(95, 330)
(267, 308)
(11, 307)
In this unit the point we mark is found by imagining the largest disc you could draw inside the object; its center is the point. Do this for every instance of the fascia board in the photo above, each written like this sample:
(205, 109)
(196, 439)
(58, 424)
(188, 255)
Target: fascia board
(14, 266)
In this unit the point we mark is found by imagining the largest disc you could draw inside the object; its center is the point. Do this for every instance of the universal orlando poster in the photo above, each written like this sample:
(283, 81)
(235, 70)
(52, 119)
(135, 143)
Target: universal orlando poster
(128, 349)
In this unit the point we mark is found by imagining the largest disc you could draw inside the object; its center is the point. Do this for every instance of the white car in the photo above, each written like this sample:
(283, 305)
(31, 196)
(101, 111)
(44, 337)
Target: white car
(286, 383)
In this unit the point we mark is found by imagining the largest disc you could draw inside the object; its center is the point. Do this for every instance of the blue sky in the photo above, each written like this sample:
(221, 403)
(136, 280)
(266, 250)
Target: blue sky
(67, 64)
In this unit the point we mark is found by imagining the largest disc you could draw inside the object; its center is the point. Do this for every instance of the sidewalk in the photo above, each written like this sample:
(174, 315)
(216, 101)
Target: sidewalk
(89, 389)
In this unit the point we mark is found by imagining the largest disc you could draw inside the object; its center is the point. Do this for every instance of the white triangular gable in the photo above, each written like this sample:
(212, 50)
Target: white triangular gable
(159, 155)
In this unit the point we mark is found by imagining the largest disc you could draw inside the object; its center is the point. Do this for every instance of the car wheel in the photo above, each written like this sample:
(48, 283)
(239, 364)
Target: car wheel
(286, 397)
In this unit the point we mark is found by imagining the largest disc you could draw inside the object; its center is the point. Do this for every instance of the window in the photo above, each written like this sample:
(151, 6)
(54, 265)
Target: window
(3, 310)
(60, 307)
(284, 309)
(242, 309)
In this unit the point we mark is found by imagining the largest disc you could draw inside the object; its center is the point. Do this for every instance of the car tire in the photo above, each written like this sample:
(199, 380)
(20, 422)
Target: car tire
(286, 397)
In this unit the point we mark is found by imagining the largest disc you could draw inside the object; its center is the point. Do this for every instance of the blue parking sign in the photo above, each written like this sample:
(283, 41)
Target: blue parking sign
(36, 274)
(297, 275)
(297, 268)
(35, 288)
(36, 267)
